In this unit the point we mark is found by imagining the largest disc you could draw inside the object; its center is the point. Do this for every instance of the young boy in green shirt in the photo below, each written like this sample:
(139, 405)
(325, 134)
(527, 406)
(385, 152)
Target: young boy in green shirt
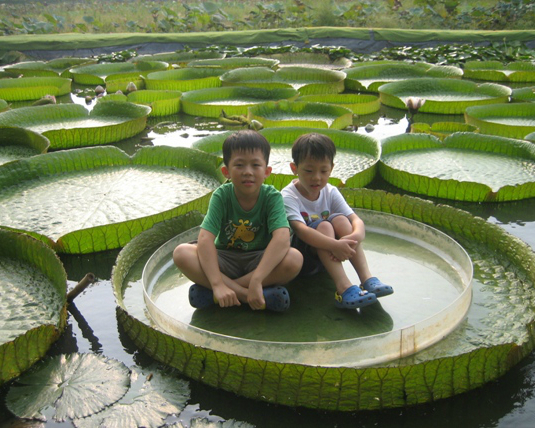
(326, 230)
(243, 252)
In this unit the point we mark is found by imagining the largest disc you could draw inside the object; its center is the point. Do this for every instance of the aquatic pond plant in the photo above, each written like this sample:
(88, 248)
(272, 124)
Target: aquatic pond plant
(17, 143)
(465, 166)
(518, 71)
(96, 199)
(162, 103)
(358, 103)
(186, 79)
(71, 125)
(442, 96)
(96, 74)
(442, 129)
(33, 88)
(33, 286)
(463, 361)
(53, 68)
(514, 120)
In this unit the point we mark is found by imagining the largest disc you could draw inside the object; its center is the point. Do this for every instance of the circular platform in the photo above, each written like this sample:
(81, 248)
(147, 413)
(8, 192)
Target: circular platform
(430, 272)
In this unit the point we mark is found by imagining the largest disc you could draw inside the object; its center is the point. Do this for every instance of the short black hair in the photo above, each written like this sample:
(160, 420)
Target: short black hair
(245, 140)
(317, 146)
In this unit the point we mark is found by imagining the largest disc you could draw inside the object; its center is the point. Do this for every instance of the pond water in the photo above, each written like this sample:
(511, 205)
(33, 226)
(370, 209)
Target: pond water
(93, 327)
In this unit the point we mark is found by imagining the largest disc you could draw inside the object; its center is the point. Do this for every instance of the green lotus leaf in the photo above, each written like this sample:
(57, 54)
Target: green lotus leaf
(299, 113)
(162, 103)
(370, 76)
(465, 166)
(120, 82)
(118, 96)
(186, 79)
(521, 71)
(233, 100)
(17, 143)
(230, 63)
(3, 105)
(309, 59)
(358, 103)
(442, 96)
(33, 88)
(524, 94)
(53, 68)
(354, 165)
(442, 129)
(96, 74)
(305, 79)
(481, 350)
(33, 287)
(74, 385)
(509, 120)
(180, 58)
(71, 125)
(95, 199)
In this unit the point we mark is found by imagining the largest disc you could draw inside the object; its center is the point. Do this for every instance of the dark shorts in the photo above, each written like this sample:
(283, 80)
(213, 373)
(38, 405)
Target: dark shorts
(311, 262)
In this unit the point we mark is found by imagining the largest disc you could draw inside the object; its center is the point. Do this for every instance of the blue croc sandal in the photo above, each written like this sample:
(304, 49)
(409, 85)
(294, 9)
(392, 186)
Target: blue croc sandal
(354, 298)
(375, 286)
(277, 298)
(200, 297)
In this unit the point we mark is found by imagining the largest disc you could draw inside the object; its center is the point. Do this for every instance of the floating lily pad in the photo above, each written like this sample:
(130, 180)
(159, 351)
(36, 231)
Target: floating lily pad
(520, 71)
(509, 120)
(524, 94)
(74, 385)
(71, 125)
(442, 129)
(95, 199)
(186, 79)
(305, 79)
(482, 349)
(465, 166)
(358, 103)
(17, 143)
(354, 166)
(443, 96)
(299, 113)
(3, 105)
(33, 88)
(369, 76)
(180, 58)
(52, 68)
(121, 82)
(230, 63)
(33, 300)
(309, 59)
(233, 100)
(162, 103)
(96, 74)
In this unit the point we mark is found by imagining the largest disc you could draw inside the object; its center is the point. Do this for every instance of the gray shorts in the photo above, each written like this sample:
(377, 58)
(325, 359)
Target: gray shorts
(235, 263)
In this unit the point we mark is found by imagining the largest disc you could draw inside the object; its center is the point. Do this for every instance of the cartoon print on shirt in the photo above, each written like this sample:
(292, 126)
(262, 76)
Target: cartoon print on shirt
(244, 232)
(310, 218)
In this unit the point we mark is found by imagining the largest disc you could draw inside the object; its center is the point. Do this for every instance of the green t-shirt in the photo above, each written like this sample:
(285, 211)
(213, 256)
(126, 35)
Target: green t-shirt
(238, 229)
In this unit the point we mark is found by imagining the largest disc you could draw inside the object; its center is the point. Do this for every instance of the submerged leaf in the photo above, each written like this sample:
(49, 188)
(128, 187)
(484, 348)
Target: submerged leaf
(76, 385)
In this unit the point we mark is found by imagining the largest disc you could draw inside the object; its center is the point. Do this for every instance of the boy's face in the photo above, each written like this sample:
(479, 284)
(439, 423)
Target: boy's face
(313, 176)
(247, 170)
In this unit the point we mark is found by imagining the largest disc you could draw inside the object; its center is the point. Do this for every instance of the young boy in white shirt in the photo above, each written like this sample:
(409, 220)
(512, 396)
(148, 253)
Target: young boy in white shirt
(326, 230)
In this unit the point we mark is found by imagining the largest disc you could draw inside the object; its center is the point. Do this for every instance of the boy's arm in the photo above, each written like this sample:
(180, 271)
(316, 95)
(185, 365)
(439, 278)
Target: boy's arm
(273, 254)
(359, 230)
(210, 266)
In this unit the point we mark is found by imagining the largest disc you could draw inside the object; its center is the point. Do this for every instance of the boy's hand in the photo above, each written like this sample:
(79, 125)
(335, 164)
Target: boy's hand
(225, 297)
(255, 297)
(343, 249)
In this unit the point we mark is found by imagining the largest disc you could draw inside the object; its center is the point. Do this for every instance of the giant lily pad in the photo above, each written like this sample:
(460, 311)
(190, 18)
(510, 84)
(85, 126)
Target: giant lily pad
(3, 105)
(233, 100)
(17, 143)
(309, 59)
(71, 125)
(357, 103)
(369, 76)
(299, 113)
(524, 94)
(33, 88)
(230, 63)
(354, 165)
(465, 166)
(521, 71)
(187, 79)
(482, 349)
(444, 96)
(181, 58)
(509, 120)
(162, 103)
(52, 68)
(442, 129)
(305, 79)
(33, 300)
(96, 74)
(94, 199)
